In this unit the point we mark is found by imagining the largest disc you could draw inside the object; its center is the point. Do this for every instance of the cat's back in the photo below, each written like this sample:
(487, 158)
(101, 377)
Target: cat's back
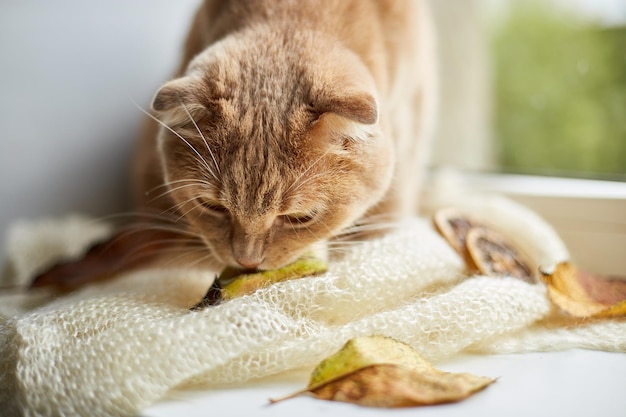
(381, 32)
(334, 15)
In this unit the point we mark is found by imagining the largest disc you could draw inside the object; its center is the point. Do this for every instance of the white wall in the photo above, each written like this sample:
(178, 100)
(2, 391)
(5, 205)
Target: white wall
(464, 136)
(69, 72)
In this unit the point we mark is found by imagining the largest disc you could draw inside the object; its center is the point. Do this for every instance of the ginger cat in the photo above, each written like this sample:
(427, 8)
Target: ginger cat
(292, 126)
(289, 122)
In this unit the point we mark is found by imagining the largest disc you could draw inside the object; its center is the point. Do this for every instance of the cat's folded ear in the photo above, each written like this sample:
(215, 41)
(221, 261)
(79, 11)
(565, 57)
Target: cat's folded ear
(177, 101)
(349, 117)
(342, 85)
(360, 107)
(174, 94)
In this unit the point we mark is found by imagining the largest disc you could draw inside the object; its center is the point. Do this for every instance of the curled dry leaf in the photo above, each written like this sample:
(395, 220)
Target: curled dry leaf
(378, 371)
(582, 294)
(483, 249)
(493, 254)
(234, 283)
(454, 225)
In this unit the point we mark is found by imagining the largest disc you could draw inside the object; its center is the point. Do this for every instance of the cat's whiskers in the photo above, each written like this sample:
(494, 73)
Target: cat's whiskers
(143, 220)
(367, 228)
(177, 207)
(190, 265)
(169, 184)
(372, 224)
(197, 184)
(217, 167)
(199, 158)
(178, 243)
(307, 180)
(296, 181)
(180, 251)
(182, 239)
(315, 236)
(180, 247)
(363, 232)
(160, 221)
(183, 230)
(376, 219)
(136, 249)
(345, 243)
(164, 223)
(341, 247)
(293, 228)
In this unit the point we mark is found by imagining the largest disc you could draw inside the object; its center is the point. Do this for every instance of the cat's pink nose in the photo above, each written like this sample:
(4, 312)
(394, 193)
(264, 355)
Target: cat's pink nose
(249, 263)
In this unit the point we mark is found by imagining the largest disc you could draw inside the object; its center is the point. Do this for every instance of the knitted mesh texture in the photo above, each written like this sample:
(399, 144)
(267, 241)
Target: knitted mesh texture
(113, 349)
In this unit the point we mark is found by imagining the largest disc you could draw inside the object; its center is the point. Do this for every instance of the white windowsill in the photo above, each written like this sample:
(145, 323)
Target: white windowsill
(589, 215)
(536, 186)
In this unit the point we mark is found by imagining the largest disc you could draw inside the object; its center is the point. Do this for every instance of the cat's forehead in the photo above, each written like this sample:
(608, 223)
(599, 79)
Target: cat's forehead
(253, 72)
(256, 176)
(263, 174)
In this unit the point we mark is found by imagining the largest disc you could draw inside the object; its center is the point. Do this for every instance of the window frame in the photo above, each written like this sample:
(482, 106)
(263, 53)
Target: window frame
(589, 215)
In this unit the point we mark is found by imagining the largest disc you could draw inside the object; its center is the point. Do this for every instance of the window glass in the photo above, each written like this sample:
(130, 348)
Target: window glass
(558, 86)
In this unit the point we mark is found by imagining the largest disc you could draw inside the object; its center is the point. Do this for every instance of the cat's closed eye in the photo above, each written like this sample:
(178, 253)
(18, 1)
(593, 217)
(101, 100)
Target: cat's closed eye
(294, 219)
(212, 207)
(298, 219)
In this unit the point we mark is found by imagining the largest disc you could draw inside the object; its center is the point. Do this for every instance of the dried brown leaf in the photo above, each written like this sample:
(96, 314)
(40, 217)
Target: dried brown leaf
(381, 372)
(581, 294)
(482, 248)
(454, 225)
(386, 385)
(122, 252)
(494, 255)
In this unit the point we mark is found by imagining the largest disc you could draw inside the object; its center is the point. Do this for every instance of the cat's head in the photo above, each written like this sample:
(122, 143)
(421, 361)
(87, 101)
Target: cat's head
(271, 149)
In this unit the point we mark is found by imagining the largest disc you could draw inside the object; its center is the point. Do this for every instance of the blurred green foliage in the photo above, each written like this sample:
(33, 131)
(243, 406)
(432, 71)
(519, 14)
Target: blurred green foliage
(560, 86)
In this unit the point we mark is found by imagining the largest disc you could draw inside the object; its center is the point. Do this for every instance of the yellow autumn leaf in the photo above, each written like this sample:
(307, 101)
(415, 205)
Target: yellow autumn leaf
(361, 352)
(378, 371)
(249, 283)
(238, 283)
(581, 294)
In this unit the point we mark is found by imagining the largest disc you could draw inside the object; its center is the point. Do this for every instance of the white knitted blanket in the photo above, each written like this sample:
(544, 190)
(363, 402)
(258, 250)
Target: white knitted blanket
(115, 348)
